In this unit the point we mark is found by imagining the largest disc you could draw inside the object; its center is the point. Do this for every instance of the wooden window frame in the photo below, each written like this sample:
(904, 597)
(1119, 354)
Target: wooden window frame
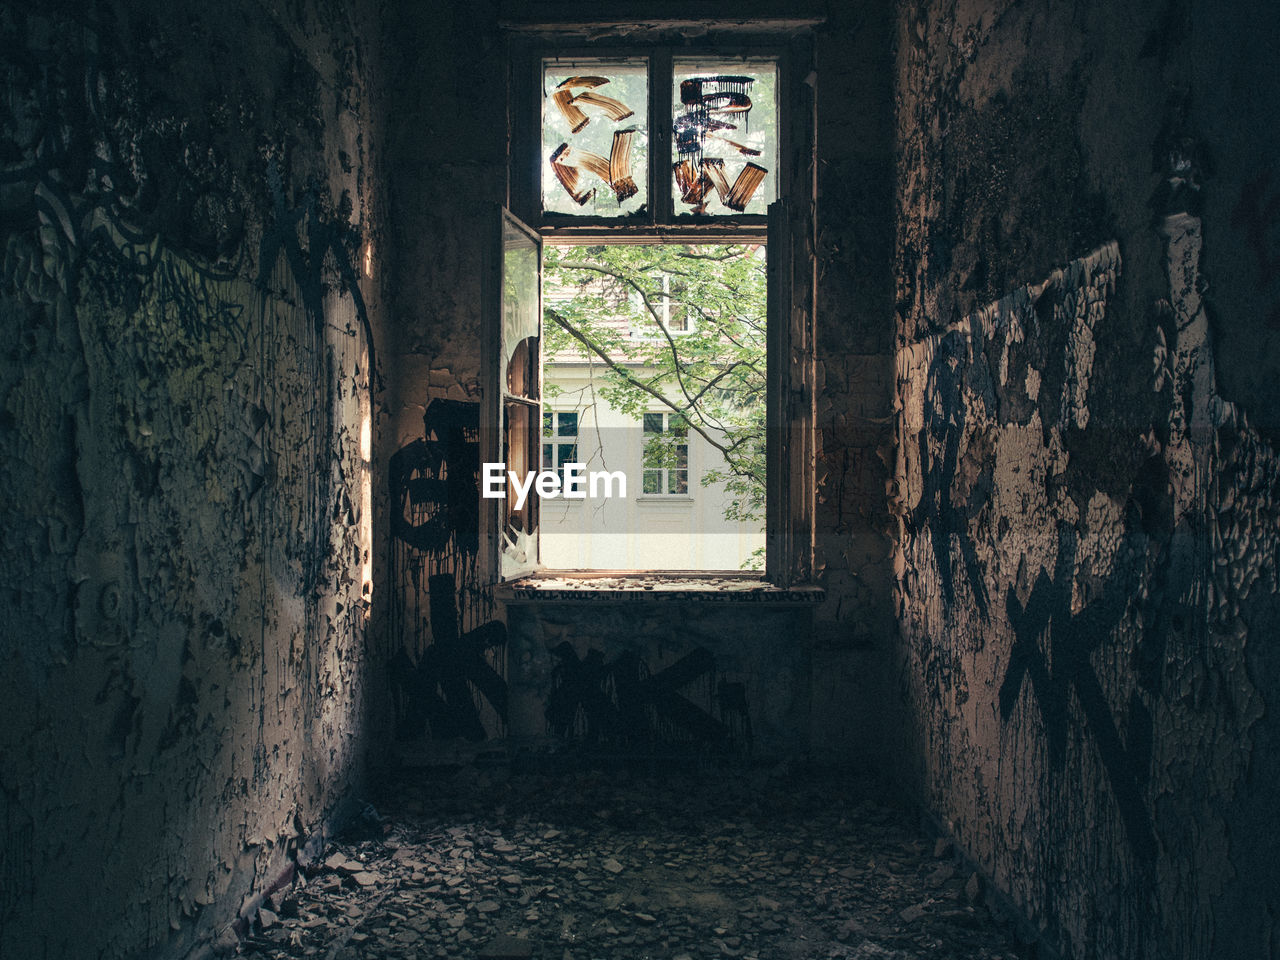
(789, 229)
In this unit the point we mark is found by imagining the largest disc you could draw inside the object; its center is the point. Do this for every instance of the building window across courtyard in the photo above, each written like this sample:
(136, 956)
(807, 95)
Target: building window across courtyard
(559, 438)
(665, 453)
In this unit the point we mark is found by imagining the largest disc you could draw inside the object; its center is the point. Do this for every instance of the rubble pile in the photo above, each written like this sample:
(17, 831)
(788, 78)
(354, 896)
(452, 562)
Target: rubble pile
(596, 865)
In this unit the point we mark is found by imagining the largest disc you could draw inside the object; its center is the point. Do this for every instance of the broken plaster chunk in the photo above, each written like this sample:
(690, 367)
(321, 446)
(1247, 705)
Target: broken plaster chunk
(506, 947)
(913, 913)
(941, 875)
(973, 888)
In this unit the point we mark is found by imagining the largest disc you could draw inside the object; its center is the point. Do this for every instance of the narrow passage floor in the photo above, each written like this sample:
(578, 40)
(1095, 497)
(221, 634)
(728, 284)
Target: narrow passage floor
(611, 865)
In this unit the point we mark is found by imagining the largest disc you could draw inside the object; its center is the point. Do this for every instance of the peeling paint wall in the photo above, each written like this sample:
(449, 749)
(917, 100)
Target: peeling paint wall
(447, 90)
(186, 422)
(1086, 564)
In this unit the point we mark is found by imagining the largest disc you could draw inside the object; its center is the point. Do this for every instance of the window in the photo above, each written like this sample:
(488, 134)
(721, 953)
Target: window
(594, 132)
(676, 315)
(665, 455)
(719, 131)
(559, 438)
(667, 312)
(621, 144)
(517, 387)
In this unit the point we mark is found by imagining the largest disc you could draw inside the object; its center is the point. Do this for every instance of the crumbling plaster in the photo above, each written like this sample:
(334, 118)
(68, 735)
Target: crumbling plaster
(190, 345)
(1086, 560)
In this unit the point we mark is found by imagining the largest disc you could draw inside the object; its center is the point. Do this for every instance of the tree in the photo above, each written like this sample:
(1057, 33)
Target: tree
(693, 341)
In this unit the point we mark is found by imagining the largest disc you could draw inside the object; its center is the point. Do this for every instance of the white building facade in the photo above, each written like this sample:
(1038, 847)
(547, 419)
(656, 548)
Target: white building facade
(667, 520)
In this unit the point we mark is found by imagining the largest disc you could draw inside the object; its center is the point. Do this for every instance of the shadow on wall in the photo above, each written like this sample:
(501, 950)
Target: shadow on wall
(185, 384)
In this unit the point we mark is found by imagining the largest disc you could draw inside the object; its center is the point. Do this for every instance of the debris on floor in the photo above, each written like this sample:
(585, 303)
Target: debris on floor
(596, 865)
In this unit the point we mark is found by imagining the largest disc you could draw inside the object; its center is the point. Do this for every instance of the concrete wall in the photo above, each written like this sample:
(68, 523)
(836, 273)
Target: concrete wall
(186, 193)
(852, 639)
(660, 678)
(1086, 565)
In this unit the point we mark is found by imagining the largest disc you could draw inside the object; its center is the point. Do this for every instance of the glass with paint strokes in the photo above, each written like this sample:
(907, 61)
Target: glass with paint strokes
(595, 140)
(725, 136)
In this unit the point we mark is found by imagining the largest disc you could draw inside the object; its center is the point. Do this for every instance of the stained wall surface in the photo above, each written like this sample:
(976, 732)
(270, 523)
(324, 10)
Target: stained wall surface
(1086, 480)
(185, 417)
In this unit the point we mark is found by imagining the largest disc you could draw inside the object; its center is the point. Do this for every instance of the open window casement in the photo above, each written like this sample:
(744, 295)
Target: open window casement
(511, 420)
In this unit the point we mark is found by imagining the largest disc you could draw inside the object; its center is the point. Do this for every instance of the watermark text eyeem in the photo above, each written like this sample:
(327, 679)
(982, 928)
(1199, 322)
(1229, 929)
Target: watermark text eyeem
(572, 483)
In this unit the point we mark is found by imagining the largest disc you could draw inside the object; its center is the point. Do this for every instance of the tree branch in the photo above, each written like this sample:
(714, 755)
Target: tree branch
(626, 375)
(648, 304)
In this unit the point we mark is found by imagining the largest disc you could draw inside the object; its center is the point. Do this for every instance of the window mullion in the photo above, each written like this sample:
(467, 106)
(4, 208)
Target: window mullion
(525, 172)
(660, 136)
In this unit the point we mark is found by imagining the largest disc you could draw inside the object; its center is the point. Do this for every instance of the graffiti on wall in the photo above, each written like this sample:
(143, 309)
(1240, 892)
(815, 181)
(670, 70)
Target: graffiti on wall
(438, 693)
(945, 418)
(1127, 552)
(83, 139)
(448, 669)
(987, 374)
(1051, 651)
(620, 704)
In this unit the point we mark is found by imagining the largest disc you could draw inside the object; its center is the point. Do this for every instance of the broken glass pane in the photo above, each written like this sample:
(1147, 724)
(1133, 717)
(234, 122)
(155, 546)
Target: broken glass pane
(594, 136)
(725, 136)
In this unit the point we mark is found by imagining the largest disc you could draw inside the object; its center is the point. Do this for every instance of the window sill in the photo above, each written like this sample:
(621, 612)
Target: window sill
(668, 587)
